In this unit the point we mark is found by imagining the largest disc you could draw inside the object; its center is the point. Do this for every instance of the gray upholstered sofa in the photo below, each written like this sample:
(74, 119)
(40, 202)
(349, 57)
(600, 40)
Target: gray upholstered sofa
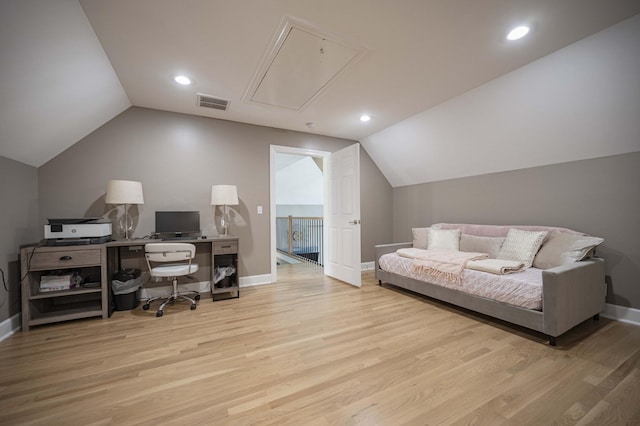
(573, 280)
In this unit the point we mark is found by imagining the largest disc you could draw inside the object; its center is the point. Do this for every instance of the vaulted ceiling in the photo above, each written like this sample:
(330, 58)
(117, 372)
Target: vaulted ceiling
(68, 67)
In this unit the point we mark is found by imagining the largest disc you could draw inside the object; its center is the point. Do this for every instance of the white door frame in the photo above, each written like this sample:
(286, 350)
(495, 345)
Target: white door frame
(273, 151)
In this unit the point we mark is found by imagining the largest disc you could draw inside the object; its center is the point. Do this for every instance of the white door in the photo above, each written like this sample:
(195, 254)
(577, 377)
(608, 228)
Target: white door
(342, 215)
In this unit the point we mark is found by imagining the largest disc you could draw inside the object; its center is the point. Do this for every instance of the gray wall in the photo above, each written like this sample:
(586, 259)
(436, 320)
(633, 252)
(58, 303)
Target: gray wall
(376, 199)
(600, 197)
(177, 158)
(18, 226)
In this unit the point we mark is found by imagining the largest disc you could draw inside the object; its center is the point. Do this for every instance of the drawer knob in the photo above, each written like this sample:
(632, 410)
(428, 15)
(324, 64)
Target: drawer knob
(66, 258)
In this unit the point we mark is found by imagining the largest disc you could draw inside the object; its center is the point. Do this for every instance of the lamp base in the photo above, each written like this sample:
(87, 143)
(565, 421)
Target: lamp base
(225, 222)
(126, 224)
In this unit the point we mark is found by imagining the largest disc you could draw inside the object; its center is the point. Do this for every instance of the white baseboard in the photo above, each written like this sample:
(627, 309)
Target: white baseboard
(9, 326)
(256, 280)
(202, 286)
(622, 314)
(367, 266)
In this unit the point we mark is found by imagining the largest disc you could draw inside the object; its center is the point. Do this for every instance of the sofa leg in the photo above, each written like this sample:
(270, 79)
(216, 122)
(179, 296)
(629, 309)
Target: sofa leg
(596, 317)
(552, 340)
(379, 282)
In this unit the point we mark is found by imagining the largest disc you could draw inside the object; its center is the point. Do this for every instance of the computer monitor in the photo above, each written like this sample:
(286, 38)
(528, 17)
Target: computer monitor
(177, 224)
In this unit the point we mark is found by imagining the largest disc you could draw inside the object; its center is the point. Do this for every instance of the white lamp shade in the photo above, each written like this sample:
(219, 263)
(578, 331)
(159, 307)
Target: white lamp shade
(124, 192)
(222, 195)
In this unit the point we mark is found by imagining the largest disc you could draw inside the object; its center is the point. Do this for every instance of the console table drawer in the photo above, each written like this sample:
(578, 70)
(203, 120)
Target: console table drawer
(225, 247)
(65, 259)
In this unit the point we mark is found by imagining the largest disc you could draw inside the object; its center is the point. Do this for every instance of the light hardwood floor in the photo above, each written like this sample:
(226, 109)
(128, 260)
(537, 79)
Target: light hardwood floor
(313, 351)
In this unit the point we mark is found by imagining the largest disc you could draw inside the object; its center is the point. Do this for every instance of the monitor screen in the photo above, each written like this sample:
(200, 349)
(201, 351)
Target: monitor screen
(177, 223)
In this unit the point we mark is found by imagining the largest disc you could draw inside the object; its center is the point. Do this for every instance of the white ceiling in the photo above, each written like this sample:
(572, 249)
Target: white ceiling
(64, 74)
(56, 83)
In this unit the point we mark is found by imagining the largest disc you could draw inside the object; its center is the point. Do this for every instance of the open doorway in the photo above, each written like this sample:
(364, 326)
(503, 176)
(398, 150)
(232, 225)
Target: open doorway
(299, 209)
(297, 206)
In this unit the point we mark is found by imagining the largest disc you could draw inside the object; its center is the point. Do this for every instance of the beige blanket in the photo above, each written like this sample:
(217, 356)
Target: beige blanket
(443, 264)
(496, 266)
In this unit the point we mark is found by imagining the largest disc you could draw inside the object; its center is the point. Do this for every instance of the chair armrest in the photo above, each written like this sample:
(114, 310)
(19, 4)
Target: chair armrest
(572, 293)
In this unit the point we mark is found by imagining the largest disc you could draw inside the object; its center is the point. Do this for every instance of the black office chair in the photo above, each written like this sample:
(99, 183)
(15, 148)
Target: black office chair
(171, 260)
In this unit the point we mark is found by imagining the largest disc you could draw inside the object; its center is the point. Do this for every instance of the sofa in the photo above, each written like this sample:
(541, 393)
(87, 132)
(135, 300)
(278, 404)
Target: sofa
(559, 281)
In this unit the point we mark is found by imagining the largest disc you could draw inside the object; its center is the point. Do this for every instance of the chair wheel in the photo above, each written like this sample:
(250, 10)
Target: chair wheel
(159, 313)
(145, 306)
(197, 297)
(193, 306)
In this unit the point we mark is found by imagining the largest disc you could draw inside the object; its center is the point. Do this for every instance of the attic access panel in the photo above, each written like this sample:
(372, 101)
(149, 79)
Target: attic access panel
(302, 63)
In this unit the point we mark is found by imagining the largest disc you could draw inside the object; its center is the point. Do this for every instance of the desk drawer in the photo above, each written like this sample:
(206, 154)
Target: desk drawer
(225, 247)
(64, 259)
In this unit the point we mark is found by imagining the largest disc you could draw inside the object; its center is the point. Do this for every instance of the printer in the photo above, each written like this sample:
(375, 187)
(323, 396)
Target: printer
(60, 232)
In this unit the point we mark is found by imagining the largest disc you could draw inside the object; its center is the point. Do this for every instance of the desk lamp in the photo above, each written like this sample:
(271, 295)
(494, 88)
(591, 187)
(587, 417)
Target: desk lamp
(124, 192)
(224, 195)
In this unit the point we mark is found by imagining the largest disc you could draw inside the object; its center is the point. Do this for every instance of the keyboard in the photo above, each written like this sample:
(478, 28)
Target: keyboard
(179, 238)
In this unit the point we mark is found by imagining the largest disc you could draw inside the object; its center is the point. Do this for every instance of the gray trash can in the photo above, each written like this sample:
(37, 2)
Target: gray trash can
(125, 286)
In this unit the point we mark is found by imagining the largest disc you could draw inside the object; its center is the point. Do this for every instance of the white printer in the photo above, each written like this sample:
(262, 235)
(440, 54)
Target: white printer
(77, 231)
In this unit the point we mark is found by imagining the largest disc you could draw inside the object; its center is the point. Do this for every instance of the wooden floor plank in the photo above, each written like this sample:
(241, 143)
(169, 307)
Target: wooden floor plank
(311, 350)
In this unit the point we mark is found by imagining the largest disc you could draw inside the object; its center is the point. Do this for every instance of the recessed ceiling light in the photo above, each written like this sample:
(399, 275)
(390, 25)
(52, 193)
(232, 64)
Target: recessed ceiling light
(517, 33)
(181, 79)
(365, 118)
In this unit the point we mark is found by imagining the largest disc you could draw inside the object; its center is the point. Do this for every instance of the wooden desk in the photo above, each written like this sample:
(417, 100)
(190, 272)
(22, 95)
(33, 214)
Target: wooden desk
(210, 253)
(99, 262)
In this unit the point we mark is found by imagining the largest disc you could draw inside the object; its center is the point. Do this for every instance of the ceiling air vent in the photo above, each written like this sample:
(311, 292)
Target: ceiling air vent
(208, 101)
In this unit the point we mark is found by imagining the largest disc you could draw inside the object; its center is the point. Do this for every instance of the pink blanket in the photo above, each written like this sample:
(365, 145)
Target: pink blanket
(523, 289)
(444, 264)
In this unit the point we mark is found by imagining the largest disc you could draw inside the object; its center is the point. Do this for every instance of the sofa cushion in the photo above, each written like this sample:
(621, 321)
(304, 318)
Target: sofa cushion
(444, 239)
(474, 243)
(420, 237)
(565, 248)
(498, 230)
(521, 245)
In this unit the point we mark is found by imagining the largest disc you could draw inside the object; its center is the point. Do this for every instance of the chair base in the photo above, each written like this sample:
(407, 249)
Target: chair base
(172, 298)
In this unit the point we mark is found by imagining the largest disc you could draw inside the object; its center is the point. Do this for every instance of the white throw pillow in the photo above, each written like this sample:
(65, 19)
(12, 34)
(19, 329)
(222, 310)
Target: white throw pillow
(420, 237)
(521, 246)
(444, 239)
(477, 244)
(565, 248)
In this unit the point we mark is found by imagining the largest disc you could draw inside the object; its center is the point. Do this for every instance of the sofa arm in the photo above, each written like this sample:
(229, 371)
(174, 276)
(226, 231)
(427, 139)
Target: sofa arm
(390, 248)
(572, 293)
(385, 249)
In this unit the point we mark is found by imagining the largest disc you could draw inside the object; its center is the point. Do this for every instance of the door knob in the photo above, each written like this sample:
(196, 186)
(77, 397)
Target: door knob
(355, 221)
